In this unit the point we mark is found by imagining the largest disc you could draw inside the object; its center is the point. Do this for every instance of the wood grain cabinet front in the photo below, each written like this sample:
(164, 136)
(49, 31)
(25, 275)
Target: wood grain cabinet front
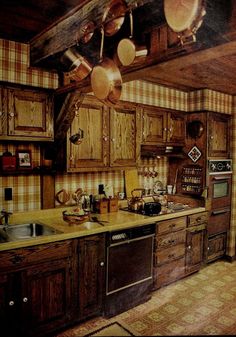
(169, 251)
(110, 137)
(36, 294)
(162, 126)
(26, 115)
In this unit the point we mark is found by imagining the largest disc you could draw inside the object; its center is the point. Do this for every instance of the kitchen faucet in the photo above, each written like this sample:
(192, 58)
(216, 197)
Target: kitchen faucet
(5, 215)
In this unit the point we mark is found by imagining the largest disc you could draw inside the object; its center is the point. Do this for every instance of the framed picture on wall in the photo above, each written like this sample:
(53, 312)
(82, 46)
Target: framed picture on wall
(24, 160)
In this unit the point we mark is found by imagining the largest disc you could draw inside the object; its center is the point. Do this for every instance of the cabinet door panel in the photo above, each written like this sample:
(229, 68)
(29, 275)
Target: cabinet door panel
(195, 250)
(3, 111)
(29, 114)
(154, 126)
(93, 150)
(123, 137)
(47, 294)
(219, 135)
(91, 275)
(176, 129)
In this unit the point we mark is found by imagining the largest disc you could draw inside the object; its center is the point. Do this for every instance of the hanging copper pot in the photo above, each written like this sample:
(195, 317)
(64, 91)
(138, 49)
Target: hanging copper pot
(113, 17)
(127, 50)
(106, 78)
(78, 67)
(86, 31)
(184, 17)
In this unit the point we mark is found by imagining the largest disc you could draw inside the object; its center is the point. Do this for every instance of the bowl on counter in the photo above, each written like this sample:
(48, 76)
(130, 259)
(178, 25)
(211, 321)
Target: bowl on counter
(76, 217)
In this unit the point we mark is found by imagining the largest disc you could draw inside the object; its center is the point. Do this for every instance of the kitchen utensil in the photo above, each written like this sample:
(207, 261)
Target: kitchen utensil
(86, 31)
(79, 68)
(152, 208)
(136, 202)
(106, 79)
(184, 17)
(114, 16)
(195, 129)
(62, 197)
(175, 182)
(95, 219)
(127, 50)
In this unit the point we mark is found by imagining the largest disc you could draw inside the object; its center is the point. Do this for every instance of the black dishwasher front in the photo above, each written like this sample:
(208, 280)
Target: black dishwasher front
(129, 273)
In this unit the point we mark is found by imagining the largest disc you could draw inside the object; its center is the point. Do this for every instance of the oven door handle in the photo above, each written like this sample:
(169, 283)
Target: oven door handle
(221, 177)
(221, 211)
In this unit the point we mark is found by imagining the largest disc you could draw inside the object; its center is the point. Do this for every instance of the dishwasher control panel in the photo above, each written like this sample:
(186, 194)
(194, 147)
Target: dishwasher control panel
(130, 233)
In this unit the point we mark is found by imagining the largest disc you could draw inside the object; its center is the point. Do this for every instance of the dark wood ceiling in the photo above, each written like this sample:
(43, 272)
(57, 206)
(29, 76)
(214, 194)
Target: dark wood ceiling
(214, 68)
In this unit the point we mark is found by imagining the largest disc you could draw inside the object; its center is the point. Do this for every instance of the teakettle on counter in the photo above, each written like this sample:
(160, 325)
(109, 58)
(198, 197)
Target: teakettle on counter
(136, 202)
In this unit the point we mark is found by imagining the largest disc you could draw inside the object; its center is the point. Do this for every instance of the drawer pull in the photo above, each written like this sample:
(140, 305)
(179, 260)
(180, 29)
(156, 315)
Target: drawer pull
(189, 247)
(25, 299)
(11, 303)
(102, 264)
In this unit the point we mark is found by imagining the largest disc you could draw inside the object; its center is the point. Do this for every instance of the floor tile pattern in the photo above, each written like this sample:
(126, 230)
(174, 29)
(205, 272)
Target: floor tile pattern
(203, 303)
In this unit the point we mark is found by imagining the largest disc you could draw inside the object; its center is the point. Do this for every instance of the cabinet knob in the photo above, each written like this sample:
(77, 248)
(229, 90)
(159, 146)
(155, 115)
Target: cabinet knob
(208, 248)
(11, 114)
(25, 299)
(11, 303)
(102, 264)
(113, 139)
(189, 247)
(211, 137)
(105, 138)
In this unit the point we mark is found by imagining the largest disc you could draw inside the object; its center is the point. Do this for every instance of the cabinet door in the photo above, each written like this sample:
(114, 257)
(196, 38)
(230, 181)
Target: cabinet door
(10, 314)
(195, 249)
(46, 296)
(93, 150)
(219, 135)
(30, 114)
(123, 137)
(154, 126)
(216, 246)
(91, 275)
(176, 128)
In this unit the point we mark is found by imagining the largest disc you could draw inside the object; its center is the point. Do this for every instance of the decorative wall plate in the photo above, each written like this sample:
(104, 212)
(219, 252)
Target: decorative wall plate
(194, 154)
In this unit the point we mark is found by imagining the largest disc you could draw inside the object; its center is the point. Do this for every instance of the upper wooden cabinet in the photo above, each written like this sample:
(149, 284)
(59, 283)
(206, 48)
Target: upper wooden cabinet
(162, 126)
(110, 137)
(218, 135)
(26, 114)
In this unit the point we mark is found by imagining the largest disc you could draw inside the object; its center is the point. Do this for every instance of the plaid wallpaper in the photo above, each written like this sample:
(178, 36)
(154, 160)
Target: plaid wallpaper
(14, 68)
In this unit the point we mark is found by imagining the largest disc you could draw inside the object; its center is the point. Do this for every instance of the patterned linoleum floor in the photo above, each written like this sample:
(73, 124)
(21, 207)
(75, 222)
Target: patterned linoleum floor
(203, 303)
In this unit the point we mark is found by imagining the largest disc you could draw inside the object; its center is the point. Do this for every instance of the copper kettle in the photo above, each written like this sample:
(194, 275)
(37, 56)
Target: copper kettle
(136, 202)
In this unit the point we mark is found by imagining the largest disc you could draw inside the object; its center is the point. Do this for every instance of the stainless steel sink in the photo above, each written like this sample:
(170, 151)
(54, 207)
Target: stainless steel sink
(26, 231)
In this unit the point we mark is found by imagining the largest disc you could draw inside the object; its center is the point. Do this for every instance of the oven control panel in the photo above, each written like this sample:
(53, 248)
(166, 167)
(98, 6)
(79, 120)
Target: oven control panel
(220, 166)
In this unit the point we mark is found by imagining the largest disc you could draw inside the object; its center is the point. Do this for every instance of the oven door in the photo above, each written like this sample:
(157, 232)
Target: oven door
(220, 190)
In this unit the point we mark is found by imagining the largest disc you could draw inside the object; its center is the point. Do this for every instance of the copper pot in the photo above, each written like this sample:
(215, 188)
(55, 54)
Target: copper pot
(114, 17)
(127, 50)
(78, 66)
(106, 79)
(136, 202)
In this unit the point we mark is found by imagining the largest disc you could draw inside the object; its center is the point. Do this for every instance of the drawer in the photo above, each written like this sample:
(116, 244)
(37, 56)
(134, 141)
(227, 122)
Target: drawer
(169, 254)
(172, 225)
(35, 254)
(170, 239)
(219, 221)
(168, 273)
(196, 219)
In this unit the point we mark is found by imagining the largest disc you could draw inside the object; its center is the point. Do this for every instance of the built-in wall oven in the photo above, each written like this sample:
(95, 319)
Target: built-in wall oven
(219, 196)
(129, 274)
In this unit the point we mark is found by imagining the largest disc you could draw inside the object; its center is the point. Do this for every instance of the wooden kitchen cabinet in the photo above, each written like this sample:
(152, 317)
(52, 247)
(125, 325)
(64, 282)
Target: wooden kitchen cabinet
(27, 115)
(162, 126)
(91, 275)
(216, 246)
(110, 137)
(169, 251)
(36, 287)
(196, 241)
(218, 135)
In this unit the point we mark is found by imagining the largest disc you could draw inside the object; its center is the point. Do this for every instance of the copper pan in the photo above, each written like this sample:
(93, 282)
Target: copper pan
(127, 50)
(78, 67)
(106, 79)
(113, 17)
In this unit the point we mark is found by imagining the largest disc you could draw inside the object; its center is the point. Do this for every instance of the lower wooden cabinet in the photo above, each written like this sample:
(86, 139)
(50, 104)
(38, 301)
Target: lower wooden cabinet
(91, 275)
(216, 246)
(36, 296)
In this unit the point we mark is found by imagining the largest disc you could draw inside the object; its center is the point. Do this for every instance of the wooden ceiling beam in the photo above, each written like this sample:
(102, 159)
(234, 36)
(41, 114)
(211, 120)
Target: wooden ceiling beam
(66, 32)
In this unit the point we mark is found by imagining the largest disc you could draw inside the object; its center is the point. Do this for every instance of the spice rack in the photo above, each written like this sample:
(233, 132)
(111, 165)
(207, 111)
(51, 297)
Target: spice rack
(192, 179)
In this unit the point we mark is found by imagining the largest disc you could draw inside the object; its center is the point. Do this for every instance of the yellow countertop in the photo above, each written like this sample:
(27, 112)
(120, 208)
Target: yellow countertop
(53, 217)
